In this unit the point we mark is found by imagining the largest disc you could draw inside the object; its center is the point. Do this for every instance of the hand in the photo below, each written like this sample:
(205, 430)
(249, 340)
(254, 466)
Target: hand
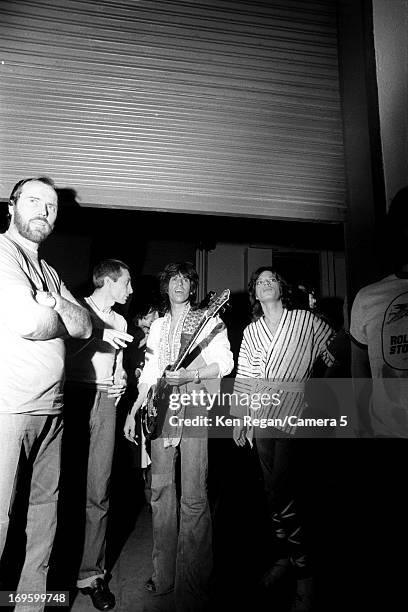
(45, 298)
(117, 388)
(239, 435)
(179, 377)
(116, 338)
(129, 429)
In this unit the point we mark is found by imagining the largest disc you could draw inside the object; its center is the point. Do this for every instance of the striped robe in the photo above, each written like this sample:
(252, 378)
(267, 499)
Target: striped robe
(283, 362)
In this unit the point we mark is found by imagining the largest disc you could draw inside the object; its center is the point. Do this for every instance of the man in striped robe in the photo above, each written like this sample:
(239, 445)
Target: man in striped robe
(277, 354)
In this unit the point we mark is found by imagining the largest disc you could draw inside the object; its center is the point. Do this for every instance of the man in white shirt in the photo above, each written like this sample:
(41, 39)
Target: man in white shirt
(36, 313)
(182, 553)
(95, 382)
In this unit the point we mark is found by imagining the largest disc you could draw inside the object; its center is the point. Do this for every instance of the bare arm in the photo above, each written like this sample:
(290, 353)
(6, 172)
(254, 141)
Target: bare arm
(183, 376)
(116, 338)
(31, 313)
(55, 316)
(119, 372)
(129, 428)
(28, 318)
(76, 318)
(143, 390)
(245, 369)
(119, 378)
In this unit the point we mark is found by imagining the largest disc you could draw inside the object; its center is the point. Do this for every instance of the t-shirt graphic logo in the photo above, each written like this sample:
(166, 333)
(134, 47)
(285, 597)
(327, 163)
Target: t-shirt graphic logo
(394, 333)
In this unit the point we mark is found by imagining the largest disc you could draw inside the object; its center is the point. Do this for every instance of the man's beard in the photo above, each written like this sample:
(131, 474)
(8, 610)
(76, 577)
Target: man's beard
(37, 234)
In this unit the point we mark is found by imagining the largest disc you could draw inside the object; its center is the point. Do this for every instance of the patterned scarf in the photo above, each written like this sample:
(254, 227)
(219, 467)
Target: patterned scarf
(169, 348)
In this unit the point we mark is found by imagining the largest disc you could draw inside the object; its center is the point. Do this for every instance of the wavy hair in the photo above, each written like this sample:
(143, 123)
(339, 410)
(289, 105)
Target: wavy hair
(186, 269)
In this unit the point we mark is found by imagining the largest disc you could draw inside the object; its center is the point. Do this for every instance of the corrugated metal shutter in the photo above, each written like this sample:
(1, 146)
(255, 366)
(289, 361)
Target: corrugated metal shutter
(203, 106)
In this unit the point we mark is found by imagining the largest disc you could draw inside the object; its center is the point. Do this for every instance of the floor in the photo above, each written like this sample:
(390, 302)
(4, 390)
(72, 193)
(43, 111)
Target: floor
(131, 570)
(239, 538)
(355, 513)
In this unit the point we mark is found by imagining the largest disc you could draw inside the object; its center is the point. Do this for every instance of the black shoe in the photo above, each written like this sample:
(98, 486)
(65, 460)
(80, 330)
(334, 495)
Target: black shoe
(101, 596)
(277, 575)
(304, 596)
(150, 586)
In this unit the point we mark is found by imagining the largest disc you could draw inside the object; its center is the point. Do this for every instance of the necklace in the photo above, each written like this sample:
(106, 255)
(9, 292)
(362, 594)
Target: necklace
(95, 305)
(169, 347)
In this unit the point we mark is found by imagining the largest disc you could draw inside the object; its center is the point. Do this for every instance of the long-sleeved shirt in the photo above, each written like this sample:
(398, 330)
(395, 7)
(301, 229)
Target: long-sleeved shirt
(282, 362)
(216, 351)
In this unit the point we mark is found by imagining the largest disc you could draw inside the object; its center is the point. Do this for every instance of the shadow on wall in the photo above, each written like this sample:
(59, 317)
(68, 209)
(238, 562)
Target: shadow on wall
(68, 248)
(236, 317)
(3, 217)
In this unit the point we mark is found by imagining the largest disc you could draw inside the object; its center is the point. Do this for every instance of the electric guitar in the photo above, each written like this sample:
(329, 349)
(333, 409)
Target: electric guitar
(155, 408)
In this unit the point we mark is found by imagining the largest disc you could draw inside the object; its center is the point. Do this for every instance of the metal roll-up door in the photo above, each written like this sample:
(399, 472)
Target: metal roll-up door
(202, 106)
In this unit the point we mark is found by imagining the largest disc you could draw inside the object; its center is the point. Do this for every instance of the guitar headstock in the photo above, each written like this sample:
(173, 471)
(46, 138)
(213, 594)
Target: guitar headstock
(203, 305)
(218, 302)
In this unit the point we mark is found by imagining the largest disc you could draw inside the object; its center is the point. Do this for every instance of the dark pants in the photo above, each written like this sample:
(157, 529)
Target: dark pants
(277, 465)
(88, 446)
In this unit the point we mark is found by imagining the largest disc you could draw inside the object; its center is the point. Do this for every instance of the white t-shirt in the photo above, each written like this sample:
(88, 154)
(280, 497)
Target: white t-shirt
(92, 361)
(31, 371)
(379, 320)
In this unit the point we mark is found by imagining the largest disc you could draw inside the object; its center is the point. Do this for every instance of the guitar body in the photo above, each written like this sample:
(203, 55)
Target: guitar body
(149, 415)
(155, 408)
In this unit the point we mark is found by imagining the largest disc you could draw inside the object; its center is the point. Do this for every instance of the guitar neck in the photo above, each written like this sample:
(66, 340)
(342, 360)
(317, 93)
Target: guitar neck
(215, 305)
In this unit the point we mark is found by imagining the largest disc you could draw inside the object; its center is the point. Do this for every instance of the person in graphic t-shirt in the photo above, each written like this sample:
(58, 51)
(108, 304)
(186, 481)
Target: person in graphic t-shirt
(379, 332)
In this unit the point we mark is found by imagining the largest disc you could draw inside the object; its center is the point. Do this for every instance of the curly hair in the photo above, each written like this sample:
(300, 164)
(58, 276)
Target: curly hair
(283, 287)
(186, 269)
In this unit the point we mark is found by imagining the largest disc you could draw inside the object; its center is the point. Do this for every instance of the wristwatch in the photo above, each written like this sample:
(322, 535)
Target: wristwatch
(197, 378)
(50, 295)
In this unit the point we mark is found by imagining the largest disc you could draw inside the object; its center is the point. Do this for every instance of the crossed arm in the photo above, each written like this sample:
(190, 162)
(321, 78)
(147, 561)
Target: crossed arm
(43, 316)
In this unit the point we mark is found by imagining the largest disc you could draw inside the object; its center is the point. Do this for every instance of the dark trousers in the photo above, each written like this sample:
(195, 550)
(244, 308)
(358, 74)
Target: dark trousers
(277, 464)
(88, 446)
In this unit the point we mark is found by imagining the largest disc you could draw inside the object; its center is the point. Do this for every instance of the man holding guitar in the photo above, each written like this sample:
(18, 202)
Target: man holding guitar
(182, 557)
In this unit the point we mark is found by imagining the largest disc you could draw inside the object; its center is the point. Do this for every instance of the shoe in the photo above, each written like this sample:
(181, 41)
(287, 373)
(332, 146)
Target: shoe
(150, 586)
(303, 601)
(277, 574)
(102, 598)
